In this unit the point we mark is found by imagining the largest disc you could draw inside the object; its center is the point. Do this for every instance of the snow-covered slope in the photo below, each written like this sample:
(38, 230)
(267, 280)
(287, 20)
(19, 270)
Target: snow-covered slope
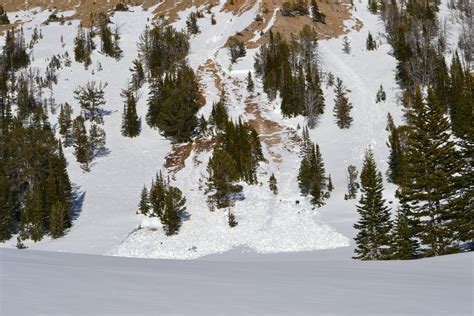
(107, 197)
(71, 284)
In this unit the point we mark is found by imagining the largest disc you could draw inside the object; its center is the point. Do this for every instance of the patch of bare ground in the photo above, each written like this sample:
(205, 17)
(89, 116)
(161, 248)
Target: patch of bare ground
(176, 158)
(210, 67)
(237, 7)
(170, 8)
(270, 132)
(336, 13)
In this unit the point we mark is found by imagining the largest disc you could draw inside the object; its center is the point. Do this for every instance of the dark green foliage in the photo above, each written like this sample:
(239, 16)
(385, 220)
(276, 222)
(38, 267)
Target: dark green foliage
(58, 220)
(236, 49)
(373, 6)
(311, 176)
(219, 116)
(403, 246)
(342, 106)
(82, 149)
(371, 43)
(374, 225)
(231, 219)
(250, 84)
(173, 104)
(330, 185)
(346, 45)
(162, 49)
(121, 6)
(165, 202)
(396, 160)
(191, 24)
(294, 8)
(97, 139)
(109, 39)
(14, 55)
(3, 17)
(273, 184)
(91, 99)
(432, 176)
(352, 184)
(83, 46)
(381, 96)
(316, 14)
(291, 69)
(223, 173)
(7, 219)
(138, 75)
(65, 124)
(130, 120)
(213, 19)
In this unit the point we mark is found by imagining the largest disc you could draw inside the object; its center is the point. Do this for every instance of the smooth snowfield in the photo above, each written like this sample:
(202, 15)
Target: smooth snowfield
(302, 284)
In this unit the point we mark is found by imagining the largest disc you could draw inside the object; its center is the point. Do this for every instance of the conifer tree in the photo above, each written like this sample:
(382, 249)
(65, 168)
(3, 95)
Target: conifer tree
(223, 173)
(219, 116)
(3, 17)
(352, 184)
(374, 224)
(130, 120)
(403, 246)
(371, 44)
(58, 220)
(236, 49)
(396, 160)
(138, 74)
(381, 96)
(65, 124)
(191, 24)
(273, 184)
(342, 106)
(346, 45)
(81, 143)
(7, 223)
(330, 185)
(174, 207)
(144, 205)
(432, 175)
(311, 176)
(157, 196)
(97, 139)
(250, 85)
(231, 219)
(91, 99)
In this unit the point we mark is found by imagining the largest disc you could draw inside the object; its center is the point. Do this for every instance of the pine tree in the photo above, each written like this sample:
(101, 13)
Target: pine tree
(130, 120)
(58, 220)
(342, 106)
(330, 185)
(91, 99)
(33, 216)
(403, 246)
(236, 49)
(311, 176)
(7, 223)
(97, 139)
(250, 85)
(174, 207)
(432, 175)
(374, 224)
(81, 143)
(144, 205)
(223, 173)
(381, 96)
(352, 184)
(371, 44)
(138, 74)
(157, 196)
(65, 124)
(191, 24)
(346, 45)
(396, 160)
(273, 184)
(3, 17)
(231, 219)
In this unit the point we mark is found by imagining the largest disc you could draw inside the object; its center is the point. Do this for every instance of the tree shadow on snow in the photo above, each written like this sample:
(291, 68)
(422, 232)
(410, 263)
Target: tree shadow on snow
(78, 197)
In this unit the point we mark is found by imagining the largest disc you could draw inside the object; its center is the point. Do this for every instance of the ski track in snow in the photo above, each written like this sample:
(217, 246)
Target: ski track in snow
(107, 223)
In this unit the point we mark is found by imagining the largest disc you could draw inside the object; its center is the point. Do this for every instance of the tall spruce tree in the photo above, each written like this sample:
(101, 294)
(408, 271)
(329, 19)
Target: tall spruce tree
(130, 120)
(432, 175)
(374, 224)
(342, 106)
(174, 207)
(65, 124)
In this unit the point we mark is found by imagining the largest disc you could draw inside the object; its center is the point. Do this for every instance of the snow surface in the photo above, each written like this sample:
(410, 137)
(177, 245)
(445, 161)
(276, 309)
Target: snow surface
(35, 282)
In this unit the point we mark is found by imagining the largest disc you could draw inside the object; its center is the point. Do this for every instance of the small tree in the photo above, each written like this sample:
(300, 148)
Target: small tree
(65, 124)
(97, 140)
(144, 205)
(231, 219)
(371, 43)
(316, 14)
(174, 207)
(330, 185)
(342, 106)
(3, 17)
(236, 49)
(91, 99)
(273, 184)
(381, 96)
(81, 143)
(250, 85)
(352, 184)
(191, 24)
(58, 220)
(346, 45)
(130, 120)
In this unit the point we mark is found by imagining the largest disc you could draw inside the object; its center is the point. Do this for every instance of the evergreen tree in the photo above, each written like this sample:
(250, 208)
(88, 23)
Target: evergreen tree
(58, 220)
(346, 45)
(250, 85)
(432, 175)
(273, 184)
(174, 207)
(96, 140)
(144, 205)
(371, 43)
(81, 146)
(157, 196)
(330, 185)
(403, 246)
(231, 219)
(374, 224)
(342, 106)
(91, 99)
(311, 176)
(396, 160)
(219, 116)
(138, 74)
(236, 49)
(223, 173)
(130, 120)
(191, 24)
(381, 96)
(7, 220)
(65, 124)
(3, 17)
(352, 184)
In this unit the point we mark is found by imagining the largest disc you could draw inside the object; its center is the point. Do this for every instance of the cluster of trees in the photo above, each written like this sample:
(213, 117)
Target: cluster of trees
(300, 8)
(165, 202)
(236, 48)
(291, 68)
(3, 16)
(83, 46)
(109, 39)
(312, 179)
(35, 191)
(235, 157)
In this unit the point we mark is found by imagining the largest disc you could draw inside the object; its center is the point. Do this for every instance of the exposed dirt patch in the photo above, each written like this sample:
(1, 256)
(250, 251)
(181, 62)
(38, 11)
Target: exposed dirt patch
(210, 67)
(176, 158)
(237, 7)
(170, 8)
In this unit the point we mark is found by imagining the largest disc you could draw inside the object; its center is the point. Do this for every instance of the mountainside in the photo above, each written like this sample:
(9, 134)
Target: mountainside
(105, 219)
